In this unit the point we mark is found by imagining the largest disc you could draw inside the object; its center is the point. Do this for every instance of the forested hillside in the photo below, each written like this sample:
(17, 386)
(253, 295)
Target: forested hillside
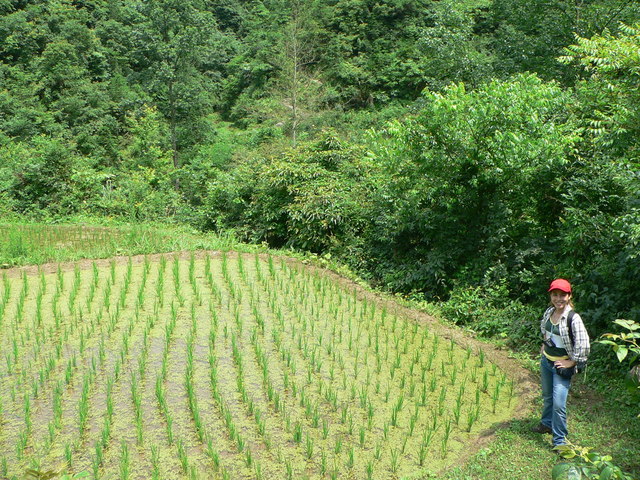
(465, 150)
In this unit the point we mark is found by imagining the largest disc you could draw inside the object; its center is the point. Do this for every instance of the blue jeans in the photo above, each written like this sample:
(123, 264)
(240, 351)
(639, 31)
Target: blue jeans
(555, 389)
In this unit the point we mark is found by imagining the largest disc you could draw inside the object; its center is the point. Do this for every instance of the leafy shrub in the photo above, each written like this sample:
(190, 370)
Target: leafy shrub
(307, 198)
(491, 310)
(42, 175)
(473, 180)
(587, 465)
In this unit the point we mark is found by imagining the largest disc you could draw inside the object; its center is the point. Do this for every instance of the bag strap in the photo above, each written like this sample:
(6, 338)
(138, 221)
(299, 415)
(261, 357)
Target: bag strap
(570, 326)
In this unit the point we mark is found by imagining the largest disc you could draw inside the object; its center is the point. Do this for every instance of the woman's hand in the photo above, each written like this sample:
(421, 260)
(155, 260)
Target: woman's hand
(564, 363)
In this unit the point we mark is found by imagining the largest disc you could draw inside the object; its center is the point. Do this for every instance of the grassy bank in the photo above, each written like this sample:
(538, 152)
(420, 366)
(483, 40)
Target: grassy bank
(604, 422)
(37, 243)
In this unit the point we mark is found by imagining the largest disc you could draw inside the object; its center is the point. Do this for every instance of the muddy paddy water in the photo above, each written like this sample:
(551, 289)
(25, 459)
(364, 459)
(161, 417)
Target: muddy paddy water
(215, 365)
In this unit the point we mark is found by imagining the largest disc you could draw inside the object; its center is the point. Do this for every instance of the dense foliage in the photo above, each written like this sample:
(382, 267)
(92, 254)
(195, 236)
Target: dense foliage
(462, 150)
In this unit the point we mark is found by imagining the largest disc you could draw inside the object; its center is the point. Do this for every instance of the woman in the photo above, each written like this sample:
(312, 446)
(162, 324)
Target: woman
(564, 349)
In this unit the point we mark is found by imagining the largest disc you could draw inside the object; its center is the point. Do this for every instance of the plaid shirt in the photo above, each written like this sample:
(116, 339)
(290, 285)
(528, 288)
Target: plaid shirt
(579, 351)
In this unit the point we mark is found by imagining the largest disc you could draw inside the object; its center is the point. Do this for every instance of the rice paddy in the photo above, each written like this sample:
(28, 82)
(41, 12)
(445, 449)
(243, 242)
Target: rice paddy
(230, 366)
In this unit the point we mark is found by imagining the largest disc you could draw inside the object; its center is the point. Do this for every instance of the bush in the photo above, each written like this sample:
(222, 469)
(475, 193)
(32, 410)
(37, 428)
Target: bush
(308, 198)
(587, 465)
(491, 310)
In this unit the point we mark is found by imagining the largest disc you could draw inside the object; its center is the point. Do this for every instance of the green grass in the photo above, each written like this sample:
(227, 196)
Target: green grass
(604, 422)
(38, 243)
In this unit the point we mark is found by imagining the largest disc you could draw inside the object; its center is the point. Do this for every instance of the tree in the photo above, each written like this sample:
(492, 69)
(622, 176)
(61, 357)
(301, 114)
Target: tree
(57, 74)
(298, 82)
(371, 53)
(609, 96)
(454, 49)
(604, 218)
(179, 59)
(528, 35)
(42, 175)
(311, 197)
(276, 81)
(475, 180)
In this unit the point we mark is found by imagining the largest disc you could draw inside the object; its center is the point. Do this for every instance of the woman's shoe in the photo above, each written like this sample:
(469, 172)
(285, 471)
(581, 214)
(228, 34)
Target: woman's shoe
(541, 428)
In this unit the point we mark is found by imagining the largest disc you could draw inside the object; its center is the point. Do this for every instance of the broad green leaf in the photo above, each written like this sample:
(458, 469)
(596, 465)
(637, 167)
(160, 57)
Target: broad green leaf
(606, 474)
(628, 324)
(593, 457)
(565, 471)
(621, 352)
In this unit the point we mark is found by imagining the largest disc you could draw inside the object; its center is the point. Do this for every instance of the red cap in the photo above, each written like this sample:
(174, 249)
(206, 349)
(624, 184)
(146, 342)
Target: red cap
(560, 284)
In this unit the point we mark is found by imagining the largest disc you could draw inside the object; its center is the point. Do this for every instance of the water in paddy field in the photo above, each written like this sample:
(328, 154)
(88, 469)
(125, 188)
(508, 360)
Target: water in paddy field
(212, 365)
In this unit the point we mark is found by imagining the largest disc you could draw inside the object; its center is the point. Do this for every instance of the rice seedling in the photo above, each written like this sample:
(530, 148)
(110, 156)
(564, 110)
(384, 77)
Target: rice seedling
(481, 357)
(495, 395)
(377, 451)
(325, 429)
(289, 469)
(445, 439)
(472, 416)
(27, 413)
(441, 400)
(485, 381)
(297, 432)
(98, 460)
(453, 374)
(351, 458)
(182, 456)
(422, 453)
(338, 446)
(404, 444)
(68, 455)
(309, 447)
(105, 433)
(433, 383)
(333, 474)
(21, 443)
(323, 463)
(395, 459)
(413, 420)
(397, 408)
(474, 374)
(83, 406)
